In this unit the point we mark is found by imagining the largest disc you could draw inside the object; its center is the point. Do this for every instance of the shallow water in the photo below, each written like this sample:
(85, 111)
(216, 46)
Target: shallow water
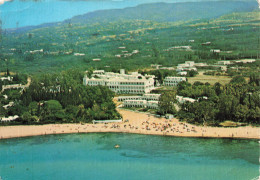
(93, 156)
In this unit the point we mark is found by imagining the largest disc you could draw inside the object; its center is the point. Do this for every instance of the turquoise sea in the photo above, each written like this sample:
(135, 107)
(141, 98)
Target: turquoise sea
(140, 157)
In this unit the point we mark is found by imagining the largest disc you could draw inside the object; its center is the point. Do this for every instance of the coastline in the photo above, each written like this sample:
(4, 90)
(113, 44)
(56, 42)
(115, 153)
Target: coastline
(138, 123)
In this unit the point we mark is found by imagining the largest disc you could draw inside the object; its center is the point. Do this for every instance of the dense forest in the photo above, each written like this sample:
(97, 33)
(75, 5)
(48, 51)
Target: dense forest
(238, 101)
(61, 98)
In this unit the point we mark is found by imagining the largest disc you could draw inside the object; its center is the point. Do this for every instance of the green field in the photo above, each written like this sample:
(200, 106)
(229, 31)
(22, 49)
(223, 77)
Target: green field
(236, 35)
(210, 79)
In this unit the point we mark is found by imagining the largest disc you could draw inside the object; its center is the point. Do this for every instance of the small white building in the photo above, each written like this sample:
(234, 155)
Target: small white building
(180, 47)
(99, 72)
(141, 104)
(168, 68)
(96, 59)
(135, 103)
(206, 43)
(124, 98)
(79, 54)
(150, 101)
(245, 61)
(189, 63)
(127, 55)
(147, 97)
(182, 73)
(200, 64)
(68, 52)
(187, 66)
(224, 62)
(169, 116)
(182, 99)
(151, 97)
(8, 78)
(8, 119)
(152, 104)
(223, 68)
(173, 81)
(36, 51)
(8, 105)
(215, 50)
(135, 52)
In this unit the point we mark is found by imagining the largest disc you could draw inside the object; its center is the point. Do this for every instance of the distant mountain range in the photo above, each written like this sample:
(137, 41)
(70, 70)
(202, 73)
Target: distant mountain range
(161, 12)
(164, 12)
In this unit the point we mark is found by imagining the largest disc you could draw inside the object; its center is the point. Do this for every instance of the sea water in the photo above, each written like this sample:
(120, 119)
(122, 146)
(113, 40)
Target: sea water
(140, 157)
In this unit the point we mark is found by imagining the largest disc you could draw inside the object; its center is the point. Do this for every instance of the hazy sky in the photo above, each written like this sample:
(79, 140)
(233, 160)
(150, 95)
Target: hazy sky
(34, 12)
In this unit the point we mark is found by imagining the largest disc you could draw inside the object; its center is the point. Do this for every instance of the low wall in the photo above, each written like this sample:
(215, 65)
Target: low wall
(107, 121)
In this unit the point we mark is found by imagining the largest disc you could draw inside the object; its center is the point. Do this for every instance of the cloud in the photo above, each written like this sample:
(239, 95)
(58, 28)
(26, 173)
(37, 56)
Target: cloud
(3, 1)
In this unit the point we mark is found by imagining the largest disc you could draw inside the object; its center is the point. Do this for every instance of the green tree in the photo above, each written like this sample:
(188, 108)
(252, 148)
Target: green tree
(29, 57)
(192, 73)
(241, 113)
(238, 80)
(182, 86)
(27, 117)
(1, 85)
(90, 72)
(205, 111)
(52, 111)
(254, 80)
(227, 106)
(254, 115)
(167, 102)
(16, 78)
(7, 72)
(2, 110)
(217, 87)
(71, 112)
(33, 108)
(53, 106)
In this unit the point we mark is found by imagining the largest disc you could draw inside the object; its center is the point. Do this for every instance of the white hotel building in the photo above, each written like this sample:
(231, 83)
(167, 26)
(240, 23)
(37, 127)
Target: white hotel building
(141, 103)
(173, 81)
(150, 101)
(147, 97)
(122, 83)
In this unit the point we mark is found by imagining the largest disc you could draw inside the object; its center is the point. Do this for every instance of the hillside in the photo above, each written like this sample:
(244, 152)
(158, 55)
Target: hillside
(159, 12)
(75, 45)
(166, 12)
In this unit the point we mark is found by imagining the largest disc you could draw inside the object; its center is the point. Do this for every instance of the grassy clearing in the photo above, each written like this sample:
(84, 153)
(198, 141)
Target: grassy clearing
(210, 79)
(231, 124)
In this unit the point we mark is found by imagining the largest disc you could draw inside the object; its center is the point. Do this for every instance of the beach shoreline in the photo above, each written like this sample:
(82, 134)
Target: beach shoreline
(137, 123)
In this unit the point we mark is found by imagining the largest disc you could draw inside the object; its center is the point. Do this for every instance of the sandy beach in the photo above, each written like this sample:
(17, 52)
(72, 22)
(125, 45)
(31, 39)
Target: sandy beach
(134, 122)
